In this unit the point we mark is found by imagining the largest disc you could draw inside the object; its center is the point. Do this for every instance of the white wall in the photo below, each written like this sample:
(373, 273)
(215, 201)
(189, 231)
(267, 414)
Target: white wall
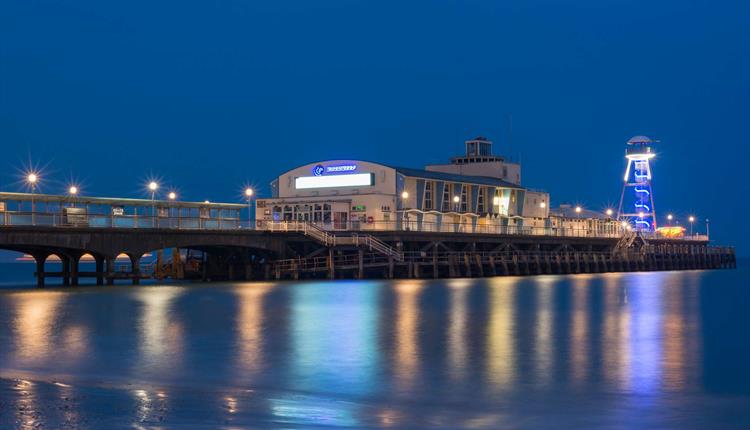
(532, 205)
(385, 180)
(492, 169)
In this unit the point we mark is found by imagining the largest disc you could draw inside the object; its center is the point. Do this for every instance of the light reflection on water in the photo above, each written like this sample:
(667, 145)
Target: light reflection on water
(476, 353)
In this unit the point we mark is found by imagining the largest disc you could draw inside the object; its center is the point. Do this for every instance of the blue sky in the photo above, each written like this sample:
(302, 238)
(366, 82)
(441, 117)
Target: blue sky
(211, 95)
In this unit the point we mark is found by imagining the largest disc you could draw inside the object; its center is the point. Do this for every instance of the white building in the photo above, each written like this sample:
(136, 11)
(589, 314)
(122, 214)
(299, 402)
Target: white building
(478, 192)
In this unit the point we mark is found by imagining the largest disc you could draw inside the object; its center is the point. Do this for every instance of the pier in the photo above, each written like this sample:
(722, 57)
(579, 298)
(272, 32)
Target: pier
(235, 249)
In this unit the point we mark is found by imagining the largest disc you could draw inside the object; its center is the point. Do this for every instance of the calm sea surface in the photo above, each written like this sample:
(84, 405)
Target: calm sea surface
(630, 351)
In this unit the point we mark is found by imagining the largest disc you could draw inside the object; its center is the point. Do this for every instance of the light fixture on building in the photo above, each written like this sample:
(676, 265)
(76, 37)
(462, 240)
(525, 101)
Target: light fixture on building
(405, 195)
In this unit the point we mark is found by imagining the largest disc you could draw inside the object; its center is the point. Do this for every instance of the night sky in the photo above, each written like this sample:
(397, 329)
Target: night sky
(209, 96)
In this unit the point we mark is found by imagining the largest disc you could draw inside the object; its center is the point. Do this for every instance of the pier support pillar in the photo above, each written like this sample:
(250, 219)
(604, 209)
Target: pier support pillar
(65, 260)
(434, 263)
(361, 263)
(110, 269)
(74, 261)
(40, 259)
(99, 267)
(135, 268)
(331, 269)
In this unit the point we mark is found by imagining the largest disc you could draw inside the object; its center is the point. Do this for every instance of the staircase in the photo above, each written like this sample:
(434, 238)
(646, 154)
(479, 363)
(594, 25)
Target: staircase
(625, 242)
(331, 240)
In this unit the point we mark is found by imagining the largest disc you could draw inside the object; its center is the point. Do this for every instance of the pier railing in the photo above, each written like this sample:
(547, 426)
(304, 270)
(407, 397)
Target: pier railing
(323, 232)
(466, 228)
(50, 219)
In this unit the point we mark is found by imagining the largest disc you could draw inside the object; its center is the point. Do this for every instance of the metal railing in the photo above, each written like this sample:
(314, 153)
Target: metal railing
(466, 228)
(324, 233)
(49, 219)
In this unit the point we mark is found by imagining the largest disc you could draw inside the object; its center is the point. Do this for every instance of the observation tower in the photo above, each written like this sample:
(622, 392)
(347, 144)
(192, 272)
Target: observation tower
(637, 198)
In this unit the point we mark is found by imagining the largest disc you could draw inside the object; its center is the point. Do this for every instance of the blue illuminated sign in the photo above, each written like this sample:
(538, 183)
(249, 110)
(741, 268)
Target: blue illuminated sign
(319, 169)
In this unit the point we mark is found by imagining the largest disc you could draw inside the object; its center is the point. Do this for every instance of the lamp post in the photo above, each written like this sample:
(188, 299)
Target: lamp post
(669, 218)
(456, 201)
(249, 196)
(73, 191)
(691, 219)
(172, 197)
(152, 187)
(609, 213)
(707, 235)
(32, 179)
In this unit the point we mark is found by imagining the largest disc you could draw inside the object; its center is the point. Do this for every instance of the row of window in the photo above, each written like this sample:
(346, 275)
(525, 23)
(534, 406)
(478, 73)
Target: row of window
(456, 198)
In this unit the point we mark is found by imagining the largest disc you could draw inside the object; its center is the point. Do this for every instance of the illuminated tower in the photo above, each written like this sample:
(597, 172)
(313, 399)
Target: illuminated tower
(637, 199)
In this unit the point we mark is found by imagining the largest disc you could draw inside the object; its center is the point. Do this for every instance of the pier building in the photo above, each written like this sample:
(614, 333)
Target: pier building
(478, 191)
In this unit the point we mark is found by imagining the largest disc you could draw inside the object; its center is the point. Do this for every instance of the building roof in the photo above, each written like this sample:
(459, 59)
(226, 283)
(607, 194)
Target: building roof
(451, 177)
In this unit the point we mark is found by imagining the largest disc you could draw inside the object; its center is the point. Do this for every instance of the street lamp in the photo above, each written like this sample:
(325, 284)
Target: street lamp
(73, 191)
(456, 200)
(707, 235)
(669, 218)
(249, 196)
(153, 186)
(609, 212)
(578, 211)
(172, 195)
(32, 179)
(691, 219)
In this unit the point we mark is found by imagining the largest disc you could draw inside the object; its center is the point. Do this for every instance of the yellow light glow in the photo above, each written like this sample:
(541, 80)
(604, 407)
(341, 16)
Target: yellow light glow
(578, 209)
(456, 199)
(405, 195)
(249, 192)
(542, 205)
(32, 178)
(609, 212)
(172, 195)
(671, 231)
(153, 186)
(73, 190)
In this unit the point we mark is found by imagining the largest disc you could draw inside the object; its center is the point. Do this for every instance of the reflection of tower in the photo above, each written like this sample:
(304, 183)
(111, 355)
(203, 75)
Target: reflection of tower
(637, 206)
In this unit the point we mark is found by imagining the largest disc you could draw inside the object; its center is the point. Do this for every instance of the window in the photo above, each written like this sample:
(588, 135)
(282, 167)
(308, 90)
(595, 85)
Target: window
(428, 195)
(464, 198)
(446, 198)
(480, 200)
(505, 172)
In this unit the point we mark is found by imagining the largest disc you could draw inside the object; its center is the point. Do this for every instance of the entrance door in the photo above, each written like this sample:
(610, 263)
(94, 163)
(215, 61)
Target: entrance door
(340, 220)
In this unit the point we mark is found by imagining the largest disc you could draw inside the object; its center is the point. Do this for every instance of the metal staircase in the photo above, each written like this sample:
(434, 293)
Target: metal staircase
(331, 240)
(625, 243)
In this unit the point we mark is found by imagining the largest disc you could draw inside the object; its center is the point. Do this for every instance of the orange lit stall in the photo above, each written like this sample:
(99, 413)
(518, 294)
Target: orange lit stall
(672, 231)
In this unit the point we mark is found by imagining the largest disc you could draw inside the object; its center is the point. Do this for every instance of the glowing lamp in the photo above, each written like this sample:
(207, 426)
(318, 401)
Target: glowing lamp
(248, 192)
(405, 195)
(32, 178)
(172, 195)
(153, 186)
(456, 199)
(73, 190)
